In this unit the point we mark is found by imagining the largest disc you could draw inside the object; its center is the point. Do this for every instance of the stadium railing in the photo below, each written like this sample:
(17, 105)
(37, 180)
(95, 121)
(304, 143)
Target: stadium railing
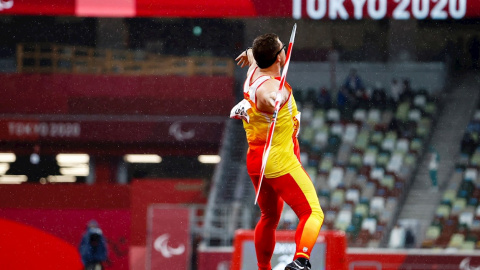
(56, 58)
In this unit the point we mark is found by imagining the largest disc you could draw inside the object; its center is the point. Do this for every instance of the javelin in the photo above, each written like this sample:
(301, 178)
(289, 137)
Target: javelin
(268, 143)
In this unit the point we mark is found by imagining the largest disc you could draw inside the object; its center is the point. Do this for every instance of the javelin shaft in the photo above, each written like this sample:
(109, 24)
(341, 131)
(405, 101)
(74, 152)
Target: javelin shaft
(268, 143)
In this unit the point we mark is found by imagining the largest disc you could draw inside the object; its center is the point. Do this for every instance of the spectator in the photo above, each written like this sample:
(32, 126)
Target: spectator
(397, 237)
(379, 98)
(409, 238)
(433, 168)
(93, 248)
(353, 82)
(394, 126)
(396, 90)
(324, 99)
(407, 94)
(468, 144)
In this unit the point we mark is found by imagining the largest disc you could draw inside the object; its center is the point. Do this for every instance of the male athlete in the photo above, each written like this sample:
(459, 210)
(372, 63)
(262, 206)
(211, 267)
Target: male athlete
(285, 179)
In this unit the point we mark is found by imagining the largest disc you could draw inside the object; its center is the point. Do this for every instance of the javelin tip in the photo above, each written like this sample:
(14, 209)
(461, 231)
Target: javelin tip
(292, 37)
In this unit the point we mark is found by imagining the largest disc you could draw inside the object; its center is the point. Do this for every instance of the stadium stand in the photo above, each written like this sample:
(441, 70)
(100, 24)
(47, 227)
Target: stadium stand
(456, 224)
(362, 162)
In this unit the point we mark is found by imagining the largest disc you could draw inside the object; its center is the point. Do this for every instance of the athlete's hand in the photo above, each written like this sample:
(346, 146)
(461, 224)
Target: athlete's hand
(243, 59)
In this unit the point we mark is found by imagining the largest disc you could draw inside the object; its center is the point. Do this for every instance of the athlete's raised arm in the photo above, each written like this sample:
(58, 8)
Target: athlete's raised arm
(246, 59)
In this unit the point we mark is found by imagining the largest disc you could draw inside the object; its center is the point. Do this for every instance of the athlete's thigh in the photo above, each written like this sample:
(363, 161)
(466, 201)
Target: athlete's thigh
(297, 190)
(268, 199)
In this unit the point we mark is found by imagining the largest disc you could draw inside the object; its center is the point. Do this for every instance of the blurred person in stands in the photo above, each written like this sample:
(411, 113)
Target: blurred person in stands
(407, 92)
(324, 99)
(433, 168)
(353, 82)
(379, 98)
(409, 238)
(397, 237)
(468, 144)
(285, 179)
(93, 248)
(396, 90)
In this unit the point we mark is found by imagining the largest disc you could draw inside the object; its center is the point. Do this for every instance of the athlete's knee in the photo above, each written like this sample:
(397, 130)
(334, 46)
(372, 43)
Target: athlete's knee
(317, 212)
(271, 220)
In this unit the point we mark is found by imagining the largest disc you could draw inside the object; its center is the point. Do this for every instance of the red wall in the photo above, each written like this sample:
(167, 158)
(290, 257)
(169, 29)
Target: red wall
(135, 198)
(65, 196)
(113, 94)
(168, 191)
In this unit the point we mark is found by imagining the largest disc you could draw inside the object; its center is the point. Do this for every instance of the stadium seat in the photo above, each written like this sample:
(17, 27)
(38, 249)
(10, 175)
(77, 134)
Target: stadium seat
(338, 198)
(333, 115)
(420, 101)
(433, 232)
(361, 210)
(351, 131)
(360, 115)
(369, 224)
(377, 205)
(442, 211)
(456, 241)
(354, 196)
(369, 190)
(466, 218)
(344, 218)
(335, 178)
(458, 206)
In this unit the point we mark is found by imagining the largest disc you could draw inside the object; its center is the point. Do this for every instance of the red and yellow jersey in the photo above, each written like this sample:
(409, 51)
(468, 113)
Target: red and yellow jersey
(283, 157)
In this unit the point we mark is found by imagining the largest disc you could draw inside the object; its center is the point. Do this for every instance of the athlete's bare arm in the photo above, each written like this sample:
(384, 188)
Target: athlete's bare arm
(246, 59)
(267, 93)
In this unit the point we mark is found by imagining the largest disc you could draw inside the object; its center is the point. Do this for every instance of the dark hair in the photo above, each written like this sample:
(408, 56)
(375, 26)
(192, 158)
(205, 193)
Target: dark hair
(265, 48)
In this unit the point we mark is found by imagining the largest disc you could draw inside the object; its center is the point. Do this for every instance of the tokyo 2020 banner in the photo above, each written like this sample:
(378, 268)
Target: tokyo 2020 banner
(297, 9)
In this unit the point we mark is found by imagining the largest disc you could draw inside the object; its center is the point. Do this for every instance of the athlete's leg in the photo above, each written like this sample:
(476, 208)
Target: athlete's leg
(271, 206)
(297, 190)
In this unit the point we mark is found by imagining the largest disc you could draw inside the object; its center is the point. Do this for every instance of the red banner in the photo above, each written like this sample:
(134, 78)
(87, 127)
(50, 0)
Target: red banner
(192, 130)
(169, 240)
(312, 9)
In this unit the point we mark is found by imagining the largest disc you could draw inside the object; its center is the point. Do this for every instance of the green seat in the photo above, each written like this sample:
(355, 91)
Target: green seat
(410, 160)
(431, 108)
(456, 241)
(416, 144)
(361, 210)
(377, 138)
(382, 159)
(443, 211)
(402, 111)
(361, 142)
(312, 172)
(458, 205)
(306, 136)
(355, 160)
(449, 195)
(468, 245)
(433, 232)
(338, 198)
(388, 181)
(326, 164)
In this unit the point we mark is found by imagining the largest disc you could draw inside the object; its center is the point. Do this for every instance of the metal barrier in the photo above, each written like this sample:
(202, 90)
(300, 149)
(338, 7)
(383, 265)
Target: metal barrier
(55, 58)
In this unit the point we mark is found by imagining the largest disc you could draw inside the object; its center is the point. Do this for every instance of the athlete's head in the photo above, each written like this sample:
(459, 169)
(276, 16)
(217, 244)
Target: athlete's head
(267, 49)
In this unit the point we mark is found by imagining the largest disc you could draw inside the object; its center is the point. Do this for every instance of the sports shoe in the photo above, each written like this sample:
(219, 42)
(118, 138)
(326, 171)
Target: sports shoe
(298, 265)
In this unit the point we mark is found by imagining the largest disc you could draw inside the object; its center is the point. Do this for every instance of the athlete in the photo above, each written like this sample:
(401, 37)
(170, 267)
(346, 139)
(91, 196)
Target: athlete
(285, 179)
